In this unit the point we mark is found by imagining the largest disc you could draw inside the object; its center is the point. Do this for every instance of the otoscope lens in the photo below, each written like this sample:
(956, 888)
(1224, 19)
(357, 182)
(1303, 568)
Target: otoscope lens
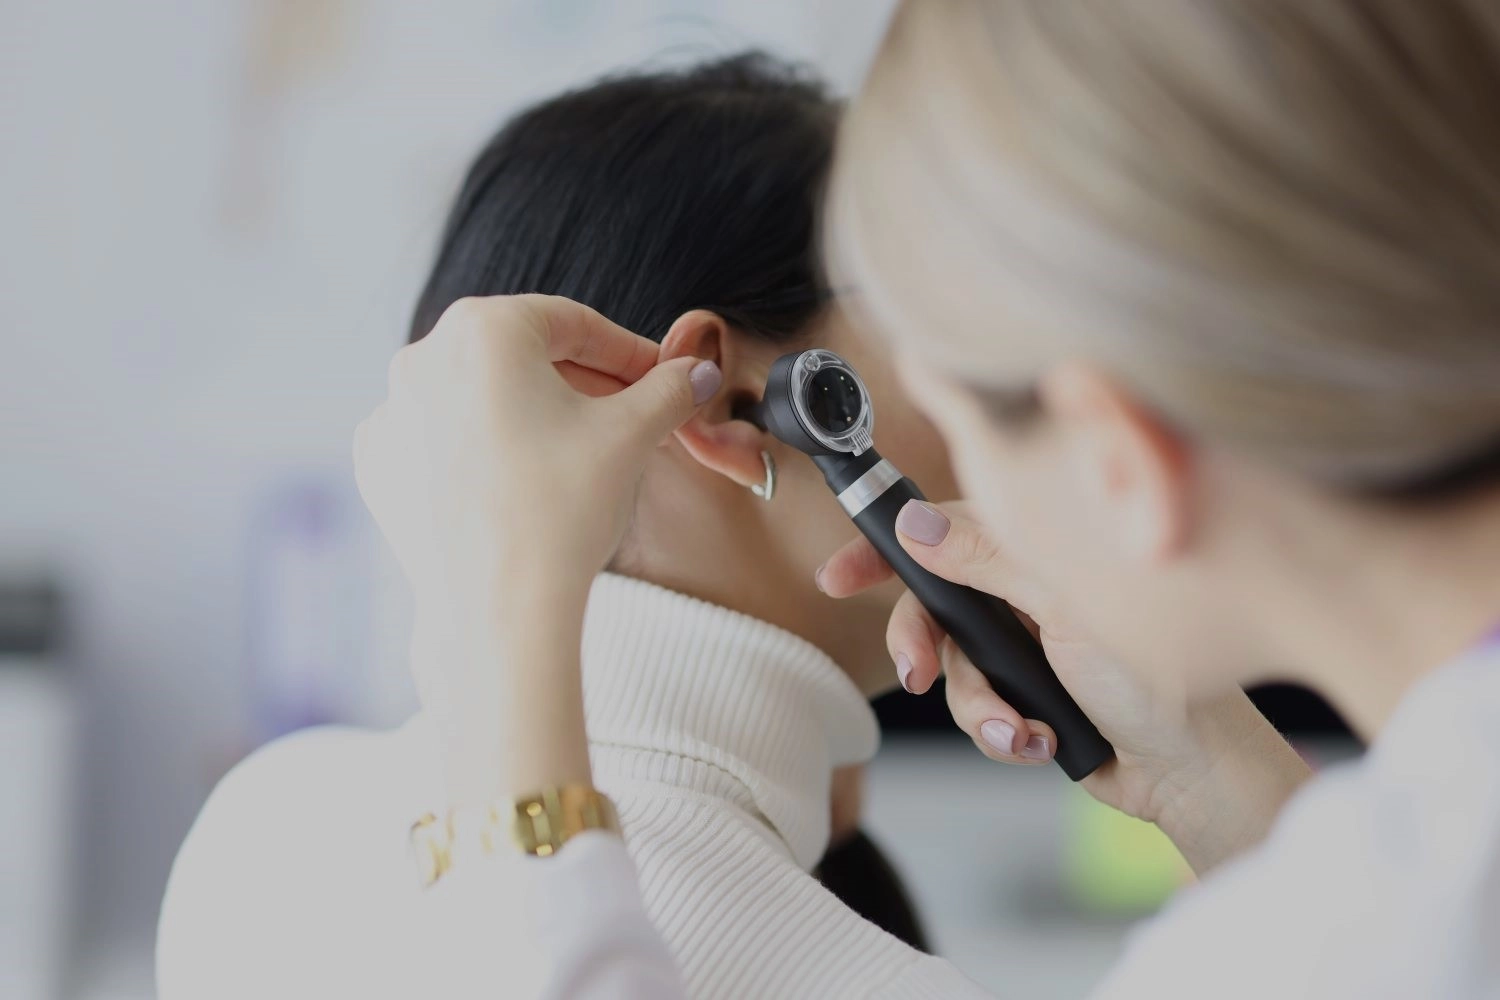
(834, 400)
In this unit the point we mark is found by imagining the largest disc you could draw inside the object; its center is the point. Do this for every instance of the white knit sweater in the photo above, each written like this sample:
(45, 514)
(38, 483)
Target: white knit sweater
(715, 734)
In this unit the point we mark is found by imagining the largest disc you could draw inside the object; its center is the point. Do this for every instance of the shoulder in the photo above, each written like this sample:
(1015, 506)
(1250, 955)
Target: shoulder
(311, 781)
(285, 838)
(295, 769)
(307, 787)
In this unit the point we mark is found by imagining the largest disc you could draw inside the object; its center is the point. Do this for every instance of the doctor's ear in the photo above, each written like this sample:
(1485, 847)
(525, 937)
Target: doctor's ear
(714, 436)
(1134, 464)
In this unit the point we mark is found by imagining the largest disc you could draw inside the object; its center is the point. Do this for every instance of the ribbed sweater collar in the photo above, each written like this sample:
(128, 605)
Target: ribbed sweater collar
(689, 694)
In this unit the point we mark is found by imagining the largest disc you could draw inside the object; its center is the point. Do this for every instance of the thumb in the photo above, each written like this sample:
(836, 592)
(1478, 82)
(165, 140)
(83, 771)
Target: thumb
(952, 545)
(664, 398)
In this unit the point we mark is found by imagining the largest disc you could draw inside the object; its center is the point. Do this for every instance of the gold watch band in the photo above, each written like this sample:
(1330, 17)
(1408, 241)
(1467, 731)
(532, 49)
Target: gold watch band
(537, 824)
(542, 823)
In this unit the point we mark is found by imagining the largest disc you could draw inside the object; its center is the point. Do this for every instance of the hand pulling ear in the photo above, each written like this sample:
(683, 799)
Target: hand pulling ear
(717, 437)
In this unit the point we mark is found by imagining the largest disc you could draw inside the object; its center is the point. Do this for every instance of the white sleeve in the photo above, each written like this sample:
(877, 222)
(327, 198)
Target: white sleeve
(587, 906)
(225, 905)
(569, 927)
(285, 888)
(1364, 889)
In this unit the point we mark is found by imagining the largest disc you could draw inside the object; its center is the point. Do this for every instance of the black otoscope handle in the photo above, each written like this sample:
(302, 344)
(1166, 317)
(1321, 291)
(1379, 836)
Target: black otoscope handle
(993, 638)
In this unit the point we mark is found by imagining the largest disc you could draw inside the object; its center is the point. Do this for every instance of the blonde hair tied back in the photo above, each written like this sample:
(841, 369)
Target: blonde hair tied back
(1277, 220)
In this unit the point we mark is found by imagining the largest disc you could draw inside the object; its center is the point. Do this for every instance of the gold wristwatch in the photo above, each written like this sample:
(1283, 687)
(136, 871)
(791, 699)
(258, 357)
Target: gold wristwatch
(537, 824)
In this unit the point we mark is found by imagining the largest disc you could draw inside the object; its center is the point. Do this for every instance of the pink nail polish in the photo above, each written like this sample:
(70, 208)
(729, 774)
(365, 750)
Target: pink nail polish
(922, 522)
(903, 671)
(705, 379)
(1000, 736)
(1037, 748)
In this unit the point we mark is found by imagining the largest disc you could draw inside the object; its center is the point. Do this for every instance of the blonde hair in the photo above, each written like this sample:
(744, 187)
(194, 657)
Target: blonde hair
(1278, 221)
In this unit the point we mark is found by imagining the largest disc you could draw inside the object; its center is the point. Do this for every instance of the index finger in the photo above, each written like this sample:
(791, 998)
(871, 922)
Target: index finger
(854, 568)
(571, 331)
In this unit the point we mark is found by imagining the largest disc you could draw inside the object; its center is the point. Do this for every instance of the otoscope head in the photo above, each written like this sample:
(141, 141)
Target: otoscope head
(816, 402)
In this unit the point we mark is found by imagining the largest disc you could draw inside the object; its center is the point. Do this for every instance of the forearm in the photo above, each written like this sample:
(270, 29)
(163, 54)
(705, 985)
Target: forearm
(547, 739)
(517, 726)
(1227, 803)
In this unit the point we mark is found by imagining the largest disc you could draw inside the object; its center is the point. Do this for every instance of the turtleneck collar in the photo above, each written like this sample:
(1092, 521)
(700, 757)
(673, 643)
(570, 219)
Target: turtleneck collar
(686, 693)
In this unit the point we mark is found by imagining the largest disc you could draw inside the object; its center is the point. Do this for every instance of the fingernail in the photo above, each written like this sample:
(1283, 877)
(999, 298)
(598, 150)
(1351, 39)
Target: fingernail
(1037, 748)
(922, 522)
(903, 670)
(1000, 736)
(706, 379)
(818, 578)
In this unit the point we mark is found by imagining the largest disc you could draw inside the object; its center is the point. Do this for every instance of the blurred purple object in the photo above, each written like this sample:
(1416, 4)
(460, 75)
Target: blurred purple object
(309, 608)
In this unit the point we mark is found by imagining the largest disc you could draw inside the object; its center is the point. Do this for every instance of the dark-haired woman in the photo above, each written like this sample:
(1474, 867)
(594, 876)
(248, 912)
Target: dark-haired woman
(722, 689)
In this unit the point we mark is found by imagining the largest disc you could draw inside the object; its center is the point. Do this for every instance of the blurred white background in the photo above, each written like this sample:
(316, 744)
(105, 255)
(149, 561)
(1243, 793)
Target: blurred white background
(214, 215)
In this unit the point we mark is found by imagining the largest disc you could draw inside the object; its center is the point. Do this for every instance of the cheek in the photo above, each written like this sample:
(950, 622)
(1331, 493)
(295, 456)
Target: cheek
(987, 474)
(1025, 498)
(1019, 483)
(1003, 493)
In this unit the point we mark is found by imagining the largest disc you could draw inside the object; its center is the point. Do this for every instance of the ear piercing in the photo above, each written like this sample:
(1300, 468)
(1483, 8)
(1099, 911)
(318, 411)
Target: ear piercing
(767, 489)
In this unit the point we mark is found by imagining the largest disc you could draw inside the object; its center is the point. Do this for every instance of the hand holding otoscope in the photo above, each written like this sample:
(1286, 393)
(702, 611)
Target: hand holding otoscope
(815, 402)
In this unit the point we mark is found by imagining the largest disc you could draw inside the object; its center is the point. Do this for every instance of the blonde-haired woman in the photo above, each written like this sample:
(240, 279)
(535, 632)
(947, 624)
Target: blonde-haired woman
(1205, 299)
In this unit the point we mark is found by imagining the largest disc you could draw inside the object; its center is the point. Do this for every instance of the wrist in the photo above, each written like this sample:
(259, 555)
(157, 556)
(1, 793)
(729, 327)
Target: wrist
(506, 691)
(1226, 799)
(496, 614)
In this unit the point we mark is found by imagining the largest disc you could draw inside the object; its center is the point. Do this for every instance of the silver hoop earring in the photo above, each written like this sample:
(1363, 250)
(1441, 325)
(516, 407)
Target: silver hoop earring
(767, 490)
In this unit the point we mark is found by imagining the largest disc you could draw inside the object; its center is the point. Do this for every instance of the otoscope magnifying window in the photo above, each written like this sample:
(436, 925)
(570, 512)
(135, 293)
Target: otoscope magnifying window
(834, 400)
(819, 404)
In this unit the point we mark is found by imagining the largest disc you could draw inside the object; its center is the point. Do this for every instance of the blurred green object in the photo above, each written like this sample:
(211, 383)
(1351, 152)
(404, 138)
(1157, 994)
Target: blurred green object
(1113, 864)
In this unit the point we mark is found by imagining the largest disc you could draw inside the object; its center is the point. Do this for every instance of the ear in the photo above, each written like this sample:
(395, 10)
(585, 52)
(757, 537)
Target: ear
(713, 438)
(1139, 465)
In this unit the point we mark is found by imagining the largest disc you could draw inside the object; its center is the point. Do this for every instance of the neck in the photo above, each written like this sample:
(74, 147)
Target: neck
(682, 694)
(1396, 597)
(704, 536)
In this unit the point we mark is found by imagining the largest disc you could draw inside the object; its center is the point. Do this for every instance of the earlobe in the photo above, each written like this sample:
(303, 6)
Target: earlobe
(713, 437)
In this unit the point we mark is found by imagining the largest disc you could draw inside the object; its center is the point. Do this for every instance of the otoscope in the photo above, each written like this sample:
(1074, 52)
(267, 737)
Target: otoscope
(816, 403)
